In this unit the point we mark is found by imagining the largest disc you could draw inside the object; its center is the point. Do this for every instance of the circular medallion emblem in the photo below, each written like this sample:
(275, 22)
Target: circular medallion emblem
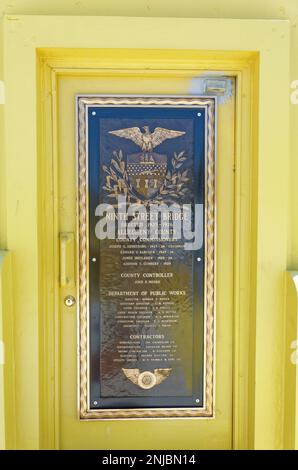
(146, 380)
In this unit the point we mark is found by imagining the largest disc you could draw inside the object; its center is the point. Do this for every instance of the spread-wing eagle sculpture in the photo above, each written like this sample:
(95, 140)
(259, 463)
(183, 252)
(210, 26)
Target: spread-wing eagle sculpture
(147, 140)
(146, 379)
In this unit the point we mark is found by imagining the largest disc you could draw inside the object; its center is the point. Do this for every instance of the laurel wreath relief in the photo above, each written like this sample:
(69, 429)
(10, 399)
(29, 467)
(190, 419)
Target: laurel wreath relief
(174, 185)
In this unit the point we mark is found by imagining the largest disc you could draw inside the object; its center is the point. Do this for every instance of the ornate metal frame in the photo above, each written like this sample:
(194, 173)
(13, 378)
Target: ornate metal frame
(207, 411)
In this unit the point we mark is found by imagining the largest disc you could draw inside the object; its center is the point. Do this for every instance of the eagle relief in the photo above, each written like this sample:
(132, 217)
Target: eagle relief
(146, 176)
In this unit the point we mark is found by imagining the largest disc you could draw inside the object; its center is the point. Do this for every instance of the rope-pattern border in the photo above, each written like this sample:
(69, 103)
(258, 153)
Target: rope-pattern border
(207, 411)
(210, 257)
(82, 220)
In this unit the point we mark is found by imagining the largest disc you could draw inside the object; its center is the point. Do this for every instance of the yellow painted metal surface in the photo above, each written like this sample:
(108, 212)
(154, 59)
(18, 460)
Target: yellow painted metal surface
(291, 363)
(160, 434)
(265, 237)
(7, 341)
(281, 9)
(106, 63)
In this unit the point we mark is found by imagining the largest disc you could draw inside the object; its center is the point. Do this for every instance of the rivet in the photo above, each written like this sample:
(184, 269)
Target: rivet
(69, 301)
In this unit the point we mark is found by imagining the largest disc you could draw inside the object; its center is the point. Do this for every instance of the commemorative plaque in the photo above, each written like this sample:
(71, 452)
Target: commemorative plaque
(146, 234)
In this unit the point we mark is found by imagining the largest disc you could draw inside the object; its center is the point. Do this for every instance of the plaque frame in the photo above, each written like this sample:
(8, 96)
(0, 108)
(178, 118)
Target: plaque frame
(210, 105)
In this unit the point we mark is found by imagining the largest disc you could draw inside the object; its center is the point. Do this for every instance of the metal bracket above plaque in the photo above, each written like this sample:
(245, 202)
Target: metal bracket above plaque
(146, 251)
(213, 85)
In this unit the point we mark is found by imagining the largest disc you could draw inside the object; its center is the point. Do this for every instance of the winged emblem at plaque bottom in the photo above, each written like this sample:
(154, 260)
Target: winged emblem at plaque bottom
(147, 379)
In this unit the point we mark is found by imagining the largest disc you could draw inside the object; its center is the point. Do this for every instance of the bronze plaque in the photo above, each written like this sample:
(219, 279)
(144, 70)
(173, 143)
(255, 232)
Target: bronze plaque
(146, 230)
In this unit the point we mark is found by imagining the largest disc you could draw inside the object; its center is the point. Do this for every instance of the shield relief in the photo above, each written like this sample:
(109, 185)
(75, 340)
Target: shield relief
(146, 173)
